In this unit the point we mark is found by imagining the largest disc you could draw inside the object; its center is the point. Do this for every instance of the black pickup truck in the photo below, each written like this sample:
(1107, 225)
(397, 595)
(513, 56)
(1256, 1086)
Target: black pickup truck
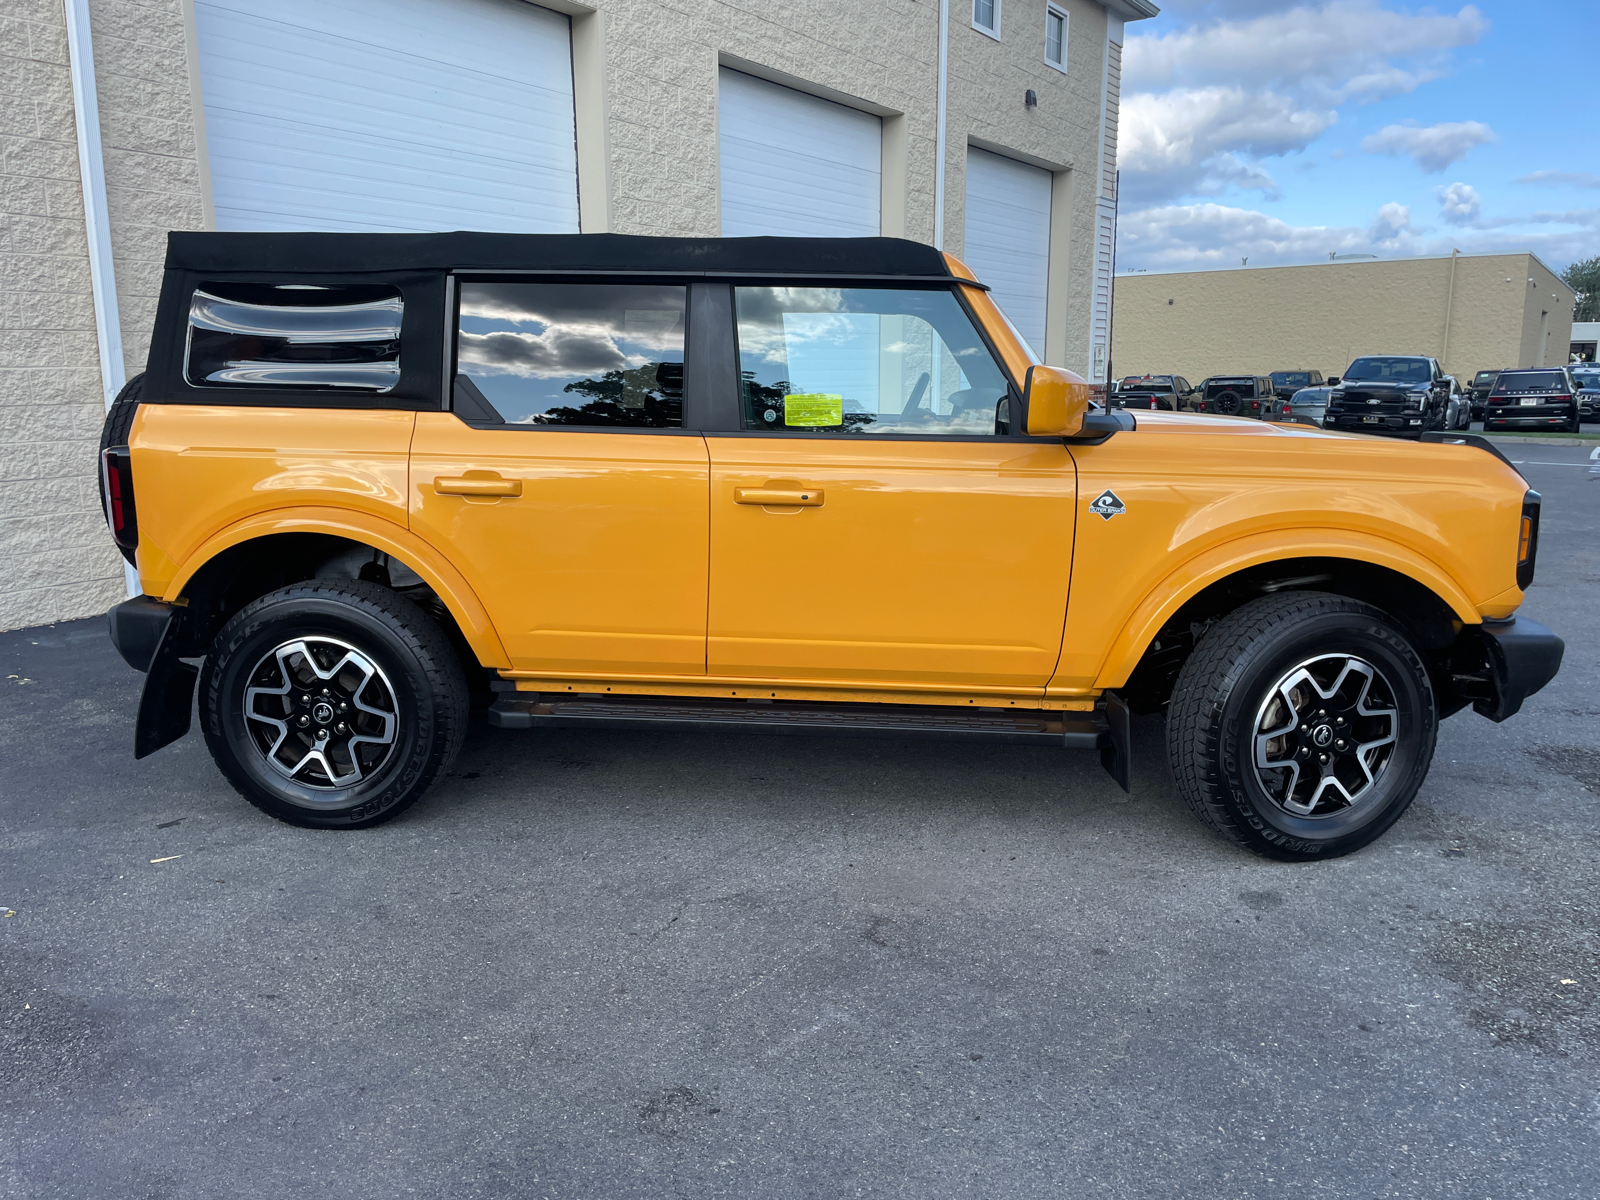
(1401, 394)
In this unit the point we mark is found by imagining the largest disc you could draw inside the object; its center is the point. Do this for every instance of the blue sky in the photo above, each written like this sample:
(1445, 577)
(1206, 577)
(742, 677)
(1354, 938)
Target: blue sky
(1283, 131)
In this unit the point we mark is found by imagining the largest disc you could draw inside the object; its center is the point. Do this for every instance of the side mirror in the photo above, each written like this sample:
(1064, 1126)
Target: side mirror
(1333, 381)
(1057, 402)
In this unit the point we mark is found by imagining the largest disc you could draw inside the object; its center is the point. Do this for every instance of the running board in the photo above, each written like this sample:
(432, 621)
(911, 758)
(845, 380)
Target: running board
(1067, 730)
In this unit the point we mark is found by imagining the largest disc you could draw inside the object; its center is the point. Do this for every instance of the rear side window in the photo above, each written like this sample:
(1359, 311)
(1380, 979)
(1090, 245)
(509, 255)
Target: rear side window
(581, 354)
(866, 361)
(1511, 382)
(289, 335)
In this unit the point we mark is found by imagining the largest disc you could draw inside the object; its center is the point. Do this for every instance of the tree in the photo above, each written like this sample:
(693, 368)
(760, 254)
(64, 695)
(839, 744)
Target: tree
(1584, 278)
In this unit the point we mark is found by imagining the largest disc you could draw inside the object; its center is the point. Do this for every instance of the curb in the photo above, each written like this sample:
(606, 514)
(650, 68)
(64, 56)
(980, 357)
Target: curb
(1542, 441)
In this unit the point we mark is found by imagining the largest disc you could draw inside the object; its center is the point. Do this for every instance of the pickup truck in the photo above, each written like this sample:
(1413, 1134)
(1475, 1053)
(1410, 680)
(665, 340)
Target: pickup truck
(802, 486)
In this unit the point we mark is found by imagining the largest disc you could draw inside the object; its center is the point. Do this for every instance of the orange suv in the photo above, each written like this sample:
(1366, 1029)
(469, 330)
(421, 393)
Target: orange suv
(796, 485)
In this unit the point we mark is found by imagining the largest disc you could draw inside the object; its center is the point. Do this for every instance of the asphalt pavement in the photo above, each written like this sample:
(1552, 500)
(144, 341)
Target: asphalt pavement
(604, 966)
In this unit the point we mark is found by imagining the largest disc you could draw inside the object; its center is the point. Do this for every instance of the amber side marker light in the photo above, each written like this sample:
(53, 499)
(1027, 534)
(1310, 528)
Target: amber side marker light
(1528, 539)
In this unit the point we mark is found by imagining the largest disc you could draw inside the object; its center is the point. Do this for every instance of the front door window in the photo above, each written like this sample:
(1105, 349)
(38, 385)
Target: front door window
(866, 361)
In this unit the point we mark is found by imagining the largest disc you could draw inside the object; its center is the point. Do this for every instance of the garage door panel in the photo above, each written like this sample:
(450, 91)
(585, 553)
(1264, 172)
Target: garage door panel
(795, 165)
(1007, 237)
(389, 114)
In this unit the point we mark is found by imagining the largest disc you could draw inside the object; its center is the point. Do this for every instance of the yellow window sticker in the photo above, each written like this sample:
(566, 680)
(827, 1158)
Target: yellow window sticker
(813, 408)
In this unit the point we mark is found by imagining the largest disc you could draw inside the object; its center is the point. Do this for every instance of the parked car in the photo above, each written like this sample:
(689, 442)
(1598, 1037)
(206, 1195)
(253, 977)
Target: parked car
(1458, 413)
(1534, 398)
(1286, 383)
(1306, 407)
(1482, 385)
(367, 476)
(1165, 392)
(1403, 394)
(1236, 395)
(1587, 378)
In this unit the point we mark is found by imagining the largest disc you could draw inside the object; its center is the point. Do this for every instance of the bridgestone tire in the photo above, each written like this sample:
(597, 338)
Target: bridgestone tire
(1212, 722)
(119, 417)
(420, 681)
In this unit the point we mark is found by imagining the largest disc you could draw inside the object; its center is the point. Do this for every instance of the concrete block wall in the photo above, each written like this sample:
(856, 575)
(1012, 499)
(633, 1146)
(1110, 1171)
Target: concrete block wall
(56, 560)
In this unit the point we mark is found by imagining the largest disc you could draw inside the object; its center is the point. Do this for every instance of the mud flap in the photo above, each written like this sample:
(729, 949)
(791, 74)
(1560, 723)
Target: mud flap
(1116, 755)
(168, 695)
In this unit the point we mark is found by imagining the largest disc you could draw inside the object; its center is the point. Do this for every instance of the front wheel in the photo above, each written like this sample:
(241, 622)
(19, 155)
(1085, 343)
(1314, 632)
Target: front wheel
(332, 704)
(1302, 726)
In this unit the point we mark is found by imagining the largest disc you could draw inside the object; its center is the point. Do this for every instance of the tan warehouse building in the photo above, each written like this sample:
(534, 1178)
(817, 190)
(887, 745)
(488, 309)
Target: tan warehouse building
(1470, 311)
(992, 135)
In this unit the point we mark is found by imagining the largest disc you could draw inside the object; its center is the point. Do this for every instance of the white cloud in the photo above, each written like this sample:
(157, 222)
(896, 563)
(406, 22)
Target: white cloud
(1561, 179)
(1432, 147)
(1199, 237)
(1459, 204)
(1346, 49)
(1391, 225)
(1203, 106)
(1193, 140)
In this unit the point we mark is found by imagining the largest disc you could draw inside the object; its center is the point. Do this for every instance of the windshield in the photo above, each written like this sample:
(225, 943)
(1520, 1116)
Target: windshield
(1297, 379)
(1587, 377)
(1390, 370)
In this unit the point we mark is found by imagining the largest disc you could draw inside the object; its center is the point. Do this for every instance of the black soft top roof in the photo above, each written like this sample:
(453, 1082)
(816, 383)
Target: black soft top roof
(302, 253)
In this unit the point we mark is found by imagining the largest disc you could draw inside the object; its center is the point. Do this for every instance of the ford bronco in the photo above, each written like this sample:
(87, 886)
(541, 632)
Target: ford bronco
(786, 485)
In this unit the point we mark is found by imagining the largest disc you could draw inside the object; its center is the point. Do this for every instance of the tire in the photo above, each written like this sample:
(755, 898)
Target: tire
(403, 689)
(119, 417)
(1576, 424)
(1227, 403)
(1233, 693)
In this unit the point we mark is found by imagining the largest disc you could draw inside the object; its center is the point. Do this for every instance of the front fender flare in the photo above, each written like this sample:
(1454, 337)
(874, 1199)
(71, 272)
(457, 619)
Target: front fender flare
(394, 540)
(1189, 578)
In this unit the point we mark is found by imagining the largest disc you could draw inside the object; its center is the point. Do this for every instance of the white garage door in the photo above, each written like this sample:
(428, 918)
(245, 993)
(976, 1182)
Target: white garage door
(386, 115)
(1008, 236)
(794, 165)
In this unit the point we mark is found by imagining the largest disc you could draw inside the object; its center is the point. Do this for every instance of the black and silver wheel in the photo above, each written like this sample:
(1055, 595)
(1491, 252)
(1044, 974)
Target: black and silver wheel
(1302, 725)
(332, 704)
(1227, 403)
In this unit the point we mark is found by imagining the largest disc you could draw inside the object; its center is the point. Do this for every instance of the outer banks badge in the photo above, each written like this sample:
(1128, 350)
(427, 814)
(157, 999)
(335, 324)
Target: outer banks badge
(1108, 504)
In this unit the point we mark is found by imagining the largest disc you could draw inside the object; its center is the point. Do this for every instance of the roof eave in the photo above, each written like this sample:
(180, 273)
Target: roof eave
(1131, 10)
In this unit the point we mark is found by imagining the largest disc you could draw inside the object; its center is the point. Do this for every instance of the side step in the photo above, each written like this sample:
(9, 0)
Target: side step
(1070, 731)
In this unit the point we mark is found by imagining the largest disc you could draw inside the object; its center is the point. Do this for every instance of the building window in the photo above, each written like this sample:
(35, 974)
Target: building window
(1055, 37)
(986, 17)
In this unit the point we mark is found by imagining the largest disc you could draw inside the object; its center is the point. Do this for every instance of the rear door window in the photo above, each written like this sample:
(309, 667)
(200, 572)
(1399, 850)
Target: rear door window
(573, 354)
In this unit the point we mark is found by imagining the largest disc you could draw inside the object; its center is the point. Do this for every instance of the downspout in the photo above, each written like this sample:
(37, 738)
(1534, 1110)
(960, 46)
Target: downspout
(938, 137)
(1111, 291)
(1449, 307)
(96, 218)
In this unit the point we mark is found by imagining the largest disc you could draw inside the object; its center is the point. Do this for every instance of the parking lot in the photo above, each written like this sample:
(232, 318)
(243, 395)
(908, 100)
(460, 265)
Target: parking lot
(604, 965)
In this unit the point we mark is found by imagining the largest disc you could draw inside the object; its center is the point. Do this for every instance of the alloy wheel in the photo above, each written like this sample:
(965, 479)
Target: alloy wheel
(321, 713)
(1324, 735)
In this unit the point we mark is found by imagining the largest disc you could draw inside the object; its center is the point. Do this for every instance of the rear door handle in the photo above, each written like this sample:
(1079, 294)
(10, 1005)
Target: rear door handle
(779, 497)
(477, 485)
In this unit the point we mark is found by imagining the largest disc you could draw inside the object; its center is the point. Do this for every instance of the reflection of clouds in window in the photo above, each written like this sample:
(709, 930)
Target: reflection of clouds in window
(654, 322)
(558, 350)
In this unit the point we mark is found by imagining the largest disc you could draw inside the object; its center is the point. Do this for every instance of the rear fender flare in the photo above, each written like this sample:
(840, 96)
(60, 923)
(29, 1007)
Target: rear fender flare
(397, 542)
(1194, 575)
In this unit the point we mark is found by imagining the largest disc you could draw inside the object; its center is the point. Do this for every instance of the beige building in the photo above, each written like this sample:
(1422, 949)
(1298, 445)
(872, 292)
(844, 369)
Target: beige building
(993, 137)
(1470, 311)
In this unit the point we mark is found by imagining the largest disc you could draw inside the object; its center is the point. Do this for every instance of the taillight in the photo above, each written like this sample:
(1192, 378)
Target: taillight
(1528, 539)
(116, 492)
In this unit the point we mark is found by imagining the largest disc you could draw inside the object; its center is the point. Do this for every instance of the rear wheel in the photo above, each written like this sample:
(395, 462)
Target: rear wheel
(334, 704)
(1575, 425)
(1302, 726)
(119, 417)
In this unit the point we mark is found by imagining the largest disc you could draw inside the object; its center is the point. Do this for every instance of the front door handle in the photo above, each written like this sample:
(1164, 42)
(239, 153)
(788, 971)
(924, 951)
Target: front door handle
(477, 485)
(779, 497)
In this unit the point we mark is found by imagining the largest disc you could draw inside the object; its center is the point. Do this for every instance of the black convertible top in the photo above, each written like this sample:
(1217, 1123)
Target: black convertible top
(358, 252)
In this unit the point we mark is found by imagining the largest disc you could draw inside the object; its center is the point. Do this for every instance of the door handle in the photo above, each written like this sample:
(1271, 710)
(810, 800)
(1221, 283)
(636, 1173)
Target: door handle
(779, 497)
(477, 485)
